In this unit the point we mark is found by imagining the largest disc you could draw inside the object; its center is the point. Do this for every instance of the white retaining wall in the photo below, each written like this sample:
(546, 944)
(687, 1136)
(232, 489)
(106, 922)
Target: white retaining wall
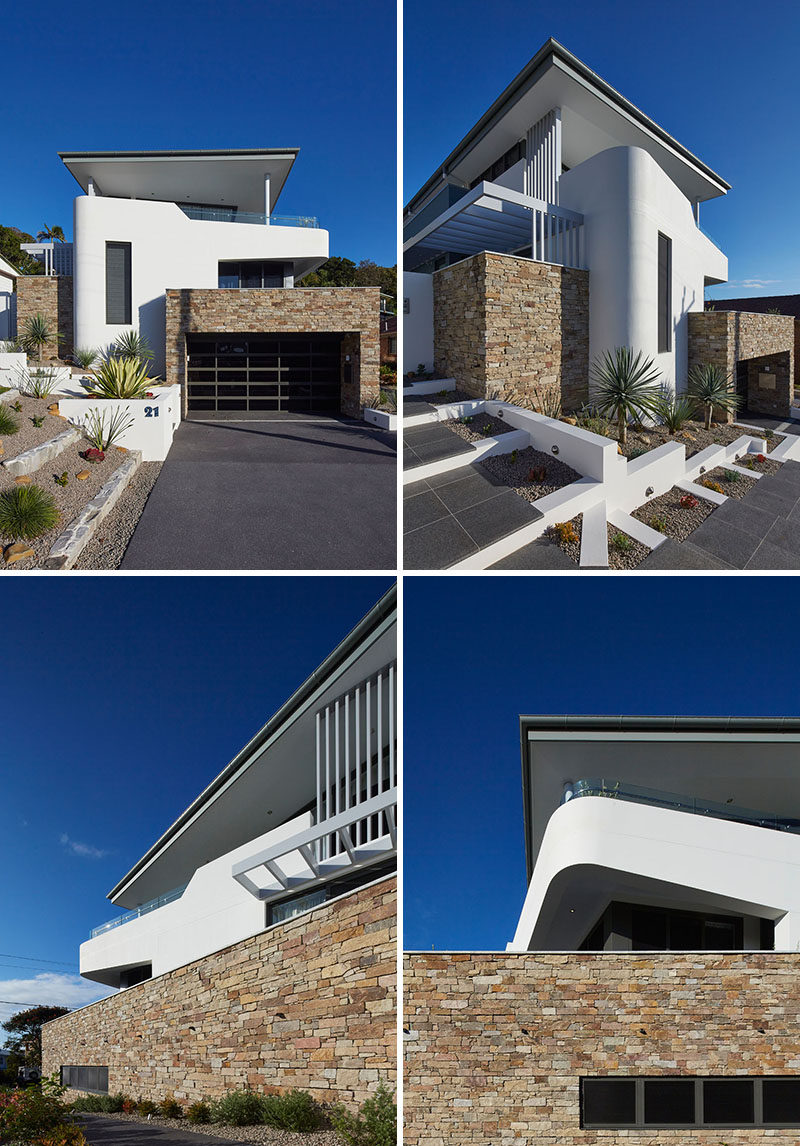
(155, 419)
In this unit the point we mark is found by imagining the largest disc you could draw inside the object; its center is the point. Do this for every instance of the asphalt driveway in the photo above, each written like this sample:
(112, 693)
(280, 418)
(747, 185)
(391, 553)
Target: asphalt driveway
(280, 494)
(101, 1131)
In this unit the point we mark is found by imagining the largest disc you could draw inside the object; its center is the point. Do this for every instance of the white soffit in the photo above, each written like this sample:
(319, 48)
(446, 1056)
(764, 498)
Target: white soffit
(230, 178)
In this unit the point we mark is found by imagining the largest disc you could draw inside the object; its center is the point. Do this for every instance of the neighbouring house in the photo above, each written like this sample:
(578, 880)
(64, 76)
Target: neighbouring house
(564, 224)
(388, 339)
(55, 257)
(187, 248)
(8, 317)
(651, 984)
(254, 942)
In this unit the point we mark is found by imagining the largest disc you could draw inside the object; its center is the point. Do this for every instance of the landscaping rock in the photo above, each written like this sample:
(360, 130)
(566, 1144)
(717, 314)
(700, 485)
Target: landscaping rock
(53, 409)
(83, 475)
(17, 552)
(33, 459)
(23, 480)
(69, 546)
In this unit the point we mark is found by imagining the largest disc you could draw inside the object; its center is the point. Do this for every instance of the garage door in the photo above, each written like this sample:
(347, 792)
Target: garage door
(258, 375)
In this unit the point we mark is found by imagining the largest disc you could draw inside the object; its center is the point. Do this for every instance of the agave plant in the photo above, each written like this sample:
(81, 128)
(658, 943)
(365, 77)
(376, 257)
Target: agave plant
(36, 334)
(547, 403)
(710, 386)
(132, 344)
(120, 378)
(102, 428)
(673, 410)
(624, 387)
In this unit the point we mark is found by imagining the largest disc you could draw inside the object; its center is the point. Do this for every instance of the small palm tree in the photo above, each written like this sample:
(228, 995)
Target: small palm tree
(673, 410)
(132, 344)
(50, 233)
(36, 334)
(625, 387)
(710, 386)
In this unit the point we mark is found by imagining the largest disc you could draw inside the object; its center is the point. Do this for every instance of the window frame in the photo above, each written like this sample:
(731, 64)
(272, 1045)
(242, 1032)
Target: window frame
(76, 1085)
(665, 316)
(127, 286)
(639, 1123)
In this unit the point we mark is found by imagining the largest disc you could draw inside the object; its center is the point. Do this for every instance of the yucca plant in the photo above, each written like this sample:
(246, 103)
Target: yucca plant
(101, 436)
(8, 423)
(674, 410)
(37, 333)
(35, 382)
(85, 357)
(547, 403)
(710, 386)
(132, 344)
(120, 378)
(26, 511)
(625, 387)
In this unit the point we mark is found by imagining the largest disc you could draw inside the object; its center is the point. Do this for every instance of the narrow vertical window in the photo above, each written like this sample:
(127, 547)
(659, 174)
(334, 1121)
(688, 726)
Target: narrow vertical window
(664, 293)
(118, 283)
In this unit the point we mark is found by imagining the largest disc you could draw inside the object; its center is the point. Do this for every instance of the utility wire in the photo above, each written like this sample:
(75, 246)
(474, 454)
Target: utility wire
(33, 959)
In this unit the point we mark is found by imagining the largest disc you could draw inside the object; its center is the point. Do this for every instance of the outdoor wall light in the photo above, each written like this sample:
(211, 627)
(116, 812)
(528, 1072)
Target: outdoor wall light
(554, 449)
(702, 469)
(499, 413)
(649, 491)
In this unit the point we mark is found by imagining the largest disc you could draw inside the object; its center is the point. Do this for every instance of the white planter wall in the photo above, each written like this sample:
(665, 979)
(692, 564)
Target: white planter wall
(155, 419)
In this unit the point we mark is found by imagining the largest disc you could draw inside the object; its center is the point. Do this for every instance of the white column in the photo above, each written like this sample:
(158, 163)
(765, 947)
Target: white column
(90, 187)
(267, 197)
(543, 157)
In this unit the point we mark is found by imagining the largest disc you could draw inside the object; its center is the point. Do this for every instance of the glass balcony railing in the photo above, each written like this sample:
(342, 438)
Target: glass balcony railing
(137, 913)
(616, 790)
(220, 215)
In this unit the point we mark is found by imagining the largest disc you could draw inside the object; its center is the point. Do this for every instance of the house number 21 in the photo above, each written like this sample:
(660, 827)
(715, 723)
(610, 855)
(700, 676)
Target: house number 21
(151, 411)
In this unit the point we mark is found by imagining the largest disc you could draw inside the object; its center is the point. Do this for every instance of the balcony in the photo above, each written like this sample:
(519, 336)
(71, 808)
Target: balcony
(614, 790)
(220, 215)
(137, 913)
(498, 219)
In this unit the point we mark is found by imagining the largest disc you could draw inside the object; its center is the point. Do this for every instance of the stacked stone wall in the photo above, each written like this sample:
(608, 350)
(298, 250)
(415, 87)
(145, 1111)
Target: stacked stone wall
(52, 297)
(727, 338)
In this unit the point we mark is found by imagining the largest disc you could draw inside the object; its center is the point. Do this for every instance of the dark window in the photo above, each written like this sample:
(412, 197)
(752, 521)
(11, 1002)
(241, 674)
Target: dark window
(669, 1101)
(728, 1100)
(118, 283)
(664, 293)
(253, 274)
(673, 1101)
(781, 1097)
(296, 904)
(135, 975)
(91, 1078)
(501, 165)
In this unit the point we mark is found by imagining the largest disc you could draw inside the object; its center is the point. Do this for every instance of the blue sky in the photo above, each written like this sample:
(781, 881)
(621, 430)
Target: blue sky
(124, 698)
(481, 651)
(247, 73)
(719, 76)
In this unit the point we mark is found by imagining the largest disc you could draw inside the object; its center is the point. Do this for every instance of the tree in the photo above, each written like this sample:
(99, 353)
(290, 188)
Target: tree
(625, 387)
(335, 272)
(48, 233)
(25, 1029)
(10, 239)
(710, 386)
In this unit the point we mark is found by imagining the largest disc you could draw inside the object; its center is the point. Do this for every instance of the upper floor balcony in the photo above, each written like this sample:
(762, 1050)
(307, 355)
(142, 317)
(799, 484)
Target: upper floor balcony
(232, 215)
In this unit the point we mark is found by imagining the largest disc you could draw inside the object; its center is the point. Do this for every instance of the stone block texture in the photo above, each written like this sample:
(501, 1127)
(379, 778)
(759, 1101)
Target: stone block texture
(731, 338)
(496, 1044)
(510, 328)
(52, 296)
(309, 1003)
(352, 311)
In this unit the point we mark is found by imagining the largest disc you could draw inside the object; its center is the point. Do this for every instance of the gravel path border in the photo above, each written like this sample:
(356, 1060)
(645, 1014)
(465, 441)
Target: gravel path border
(107, 548)
(617, 559)
(679, 521)
(72, 542)
(471, 427)
(516, 474)
(28, 435)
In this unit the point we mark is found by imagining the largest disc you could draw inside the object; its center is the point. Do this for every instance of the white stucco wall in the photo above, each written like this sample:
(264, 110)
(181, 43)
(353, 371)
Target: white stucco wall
(168, 251)
(418, 323)
(213, 912)
(736, 866)
(626, 199)
(6, 304)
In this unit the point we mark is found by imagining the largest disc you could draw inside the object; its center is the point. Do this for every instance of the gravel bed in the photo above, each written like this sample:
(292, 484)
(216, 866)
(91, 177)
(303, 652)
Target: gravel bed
(69, 499)
(267, 1135)
(739, 487)
(472, 430)
(617, 558)
(28, 435)
(107, 547)
(751, 462)
(678, 520)
(516, 474)
(694, 436)
(444, 399)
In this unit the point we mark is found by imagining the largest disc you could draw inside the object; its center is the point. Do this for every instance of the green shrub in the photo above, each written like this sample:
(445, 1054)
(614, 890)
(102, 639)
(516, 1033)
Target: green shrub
(89, 1104)
(121, 378)
(621, 542)
(26, 511)
(8, 424)
(112, 1103)
(295, 1110)
(30, 1114)
(374, 1125)
(199, 1113)
(731, 475)
(170, 1107)
(239, 1108)
(144, 1107)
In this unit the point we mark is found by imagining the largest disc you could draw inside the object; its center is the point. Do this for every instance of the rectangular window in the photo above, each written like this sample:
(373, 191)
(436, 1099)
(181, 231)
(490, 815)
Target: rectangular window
(253, 274)
(670, 1101)
(118, 283)
(91, 1078)
(664, 293)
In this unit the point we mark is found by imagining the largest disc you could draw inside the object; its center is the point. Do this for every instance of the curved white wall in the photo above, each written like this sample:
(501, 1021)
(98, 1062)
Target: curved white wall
(737, 866)
(626, 199)
(418, 322)
(168, 251)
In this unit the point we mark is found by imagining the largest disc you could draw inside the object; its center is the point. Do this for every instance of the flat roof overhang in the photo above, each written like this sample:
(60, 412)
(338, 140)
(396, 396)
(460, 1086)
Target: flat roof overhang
(232, 178)
(725, 741)
(594, 117)
(265, 778)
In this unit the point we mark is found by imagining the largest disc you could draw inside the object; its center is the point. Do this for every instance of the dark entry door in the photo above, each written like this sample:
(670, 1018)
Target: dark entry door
(259, 375)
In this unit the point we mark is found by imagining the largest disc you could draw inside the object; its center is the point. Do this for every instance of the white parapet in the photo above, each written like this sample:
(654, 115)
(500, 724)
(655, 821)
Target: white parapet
(154, 419)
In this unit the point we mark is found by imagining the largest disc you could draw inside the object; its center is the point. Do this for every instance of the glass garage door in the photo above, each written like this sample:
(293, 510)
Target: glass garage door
(256, 375)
